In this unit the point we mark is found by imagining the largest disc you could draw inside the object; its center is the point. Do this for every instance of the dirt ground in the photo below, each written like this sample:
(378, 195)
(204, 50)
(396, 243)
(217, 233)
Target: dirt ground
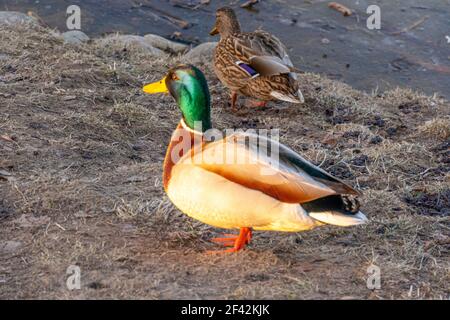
(81, 149)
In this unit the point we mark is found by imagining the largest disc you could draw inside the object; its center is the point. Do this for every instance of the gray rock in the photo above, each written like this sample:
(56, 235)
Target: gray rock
(10, 18)
(75, 37)
(204, 51)
(133, 41)
(164, 44)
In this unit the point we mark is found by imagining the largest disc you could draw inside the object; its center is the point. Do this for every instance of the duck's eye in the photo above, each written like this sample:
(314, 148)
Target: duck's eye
(175, 77)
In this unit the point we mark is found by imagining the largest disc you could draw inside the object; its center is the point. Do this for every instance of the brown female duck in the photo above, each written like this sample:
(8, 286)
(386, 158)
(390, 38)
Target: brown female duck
(254, 64)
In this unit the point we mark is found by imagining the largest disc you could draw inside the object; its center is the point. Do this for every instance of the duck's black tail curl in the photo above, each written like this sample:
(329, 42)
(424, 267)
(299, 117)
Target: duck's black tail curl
(340, 210)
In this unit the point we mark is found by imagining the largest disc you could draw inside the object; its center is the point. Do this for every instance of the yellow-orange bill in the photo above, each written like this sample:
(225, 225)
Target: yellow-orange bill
(214, 31)
(156, 87)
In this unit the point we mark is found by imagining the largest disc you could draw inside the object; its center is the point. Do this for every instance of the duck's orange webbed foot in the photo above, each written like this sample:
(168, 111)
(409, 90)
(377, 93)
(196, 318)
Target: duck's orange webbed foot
(256, 104)
(236, 242)
(233, 98)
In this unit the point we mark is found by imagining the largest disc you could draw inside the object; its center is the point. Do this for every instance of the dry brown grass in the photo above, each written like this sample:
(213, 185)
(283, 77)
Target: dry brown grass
(438, 128)
(86, 185)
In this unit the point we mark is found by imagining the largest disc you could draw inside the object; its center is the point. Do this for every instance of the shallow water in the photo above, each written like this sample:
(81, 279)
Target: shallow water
(320, 39)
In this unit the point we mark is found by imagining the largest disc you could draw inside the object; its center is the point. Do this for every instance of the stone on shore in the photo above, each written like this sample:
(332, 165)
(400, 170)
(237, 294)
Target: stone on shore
(204, 51)
(75, 37)
(10, 18)
(164, 44)
(132, 41)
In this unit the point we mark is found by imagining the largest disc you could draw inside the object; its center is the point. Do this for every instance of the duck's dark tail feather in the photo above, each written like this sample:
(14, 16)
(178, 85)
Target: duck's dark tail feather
(336, 210)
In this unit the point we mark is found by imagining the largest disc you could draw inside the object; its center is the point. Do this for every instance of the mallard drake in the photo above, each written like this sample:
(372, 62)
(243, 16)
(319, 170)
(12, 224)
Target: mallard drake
(230, 183)
(254, 64)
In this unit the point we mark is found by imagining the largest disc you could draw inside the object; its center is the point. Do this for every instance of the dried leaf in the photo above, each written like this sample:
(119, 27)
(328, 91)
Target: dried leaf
(6, 138)
(341, 8)
(249, 4)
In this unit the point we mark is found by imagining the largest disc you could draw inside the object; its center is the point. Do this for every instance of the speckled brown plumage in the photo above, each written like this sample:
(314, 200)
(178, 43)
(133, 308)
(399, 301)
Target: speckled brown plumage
(276, 71)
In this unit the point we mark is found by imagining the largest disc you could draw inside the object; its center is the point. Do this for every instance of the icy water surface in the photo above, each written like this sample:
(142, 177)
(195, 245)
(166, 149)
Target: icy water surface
(410, 50)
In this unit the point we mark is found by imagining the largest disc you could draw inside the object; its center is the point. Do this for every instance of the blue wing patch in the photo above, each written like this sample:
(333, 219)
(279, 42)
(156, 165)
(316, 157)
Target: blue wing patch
(248, 69)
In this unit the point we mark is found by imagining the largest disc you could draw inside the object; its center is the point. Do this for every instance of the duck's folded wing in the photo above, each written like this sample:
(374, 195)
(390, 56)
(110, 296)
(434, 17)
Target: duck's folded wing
(263, 52)
(274, 47)
(265, 165)
(268, 65)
